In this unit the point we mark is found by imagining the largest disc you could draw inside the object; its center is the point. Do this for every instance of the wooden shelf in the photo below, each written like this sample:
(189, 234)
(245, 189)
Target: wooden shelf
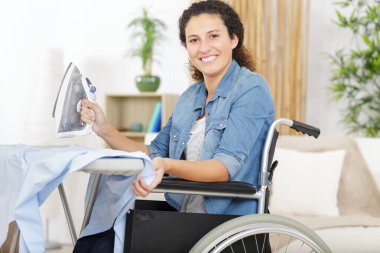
(123, 110)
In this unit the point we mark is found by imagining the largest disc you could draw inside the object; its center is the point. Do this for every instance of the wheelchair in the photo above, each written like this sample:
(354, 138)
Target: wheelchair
(170, 231)
(154, 226)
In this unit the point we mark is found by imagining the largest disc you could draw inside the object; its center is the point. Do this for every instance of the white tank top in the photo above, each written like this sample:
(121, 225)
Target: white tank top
(197, 136)
(195, 203)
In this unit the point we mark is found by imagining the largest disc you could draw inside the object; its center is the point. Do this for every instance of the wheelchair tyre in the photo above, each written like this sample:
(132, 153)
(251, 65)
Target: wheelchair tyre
(286, 235)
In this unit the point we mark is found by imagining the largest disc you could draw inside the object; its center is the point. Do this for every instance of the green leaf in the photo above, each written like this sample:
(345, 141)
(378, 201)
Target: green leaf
(372, 13)
(353, 17)
(367, 41)
(341, 18)
(372, 132)
(342, 3)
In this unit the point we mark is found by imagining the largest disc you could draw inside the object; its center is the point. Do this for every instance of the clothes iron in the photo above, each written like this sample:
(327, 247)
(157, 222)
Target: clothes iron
(74, 87)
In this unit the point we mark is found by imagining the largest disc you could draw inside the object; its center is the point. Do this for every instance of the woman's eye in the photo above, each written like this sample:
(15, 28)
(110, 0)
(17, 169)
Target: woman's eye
(214, 35)
(193, 40)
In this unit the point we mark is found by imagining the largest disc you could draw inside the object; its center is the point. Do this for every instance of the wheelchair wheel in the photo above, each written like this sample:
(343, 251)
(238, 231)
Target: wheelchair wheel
(251, 233)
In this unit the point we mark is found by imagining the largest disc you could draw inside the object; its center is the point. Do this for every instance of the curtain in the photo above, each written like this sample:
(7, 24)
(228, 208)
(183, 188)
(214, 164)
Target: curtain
(277, 32)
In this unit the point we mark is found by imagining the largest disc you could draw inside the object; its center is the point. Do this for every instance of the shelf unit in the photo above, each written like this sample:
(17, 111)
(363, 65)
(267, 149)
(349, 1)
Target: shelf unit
(123, 110)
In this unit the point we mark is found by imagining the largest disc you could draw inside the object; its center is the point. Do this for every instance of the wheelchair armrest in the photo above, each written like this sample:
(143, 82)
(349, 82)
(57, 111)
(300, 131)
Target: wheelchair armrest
(231, 187)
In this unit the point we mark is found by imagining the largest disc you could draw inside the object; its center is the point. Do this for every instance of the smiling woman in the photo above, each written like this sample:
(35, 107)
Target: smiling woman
(218, 127)
(219, 124)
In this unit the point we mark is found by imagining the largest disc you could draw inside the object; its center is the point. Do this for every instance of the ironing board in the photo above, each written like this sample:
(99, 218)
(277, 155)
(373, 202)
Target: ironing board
(106, 166)
(67, 113)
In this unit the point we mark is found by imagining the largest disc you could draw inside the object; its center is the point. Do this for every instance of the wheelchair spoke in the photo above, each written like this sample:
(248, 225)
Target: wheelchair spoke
(290, 239)
(265, 237)
(245, 251)
(257, 245)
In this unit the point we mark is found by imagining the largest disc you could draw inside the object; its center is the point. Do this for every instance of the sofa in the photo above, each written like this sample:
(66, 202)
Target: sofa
(331, 184)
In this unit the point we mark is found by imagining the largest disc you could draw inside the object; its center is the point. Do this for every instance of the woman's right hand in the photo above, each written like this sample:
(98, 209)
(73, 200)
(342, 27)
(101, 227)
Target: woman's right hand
(92, 113)
(140, 188)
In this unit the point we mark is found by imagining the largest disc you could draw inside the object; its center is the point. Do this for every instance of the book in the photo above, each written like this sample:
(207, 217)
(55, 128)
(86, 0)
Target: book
(155, 120)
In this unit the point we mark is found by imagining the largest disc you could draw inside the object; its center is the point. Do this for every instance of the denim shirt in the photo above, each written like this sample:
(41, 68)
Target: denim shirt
(238, 117)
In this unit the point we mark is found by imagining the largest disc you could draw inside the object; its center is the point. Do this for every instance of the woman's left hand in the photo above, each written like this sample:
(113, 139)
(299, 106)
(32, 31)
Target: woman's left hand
(140, 188)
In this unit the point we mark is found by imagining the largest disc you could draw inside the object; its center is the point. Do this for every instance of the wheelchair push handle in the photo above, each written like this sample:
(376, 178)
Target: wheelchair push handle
(305, 129)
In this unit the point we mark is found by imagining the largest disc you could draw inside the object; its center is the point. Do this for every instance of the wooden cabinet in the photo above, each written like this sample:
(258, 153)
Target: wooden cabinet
(123, 110)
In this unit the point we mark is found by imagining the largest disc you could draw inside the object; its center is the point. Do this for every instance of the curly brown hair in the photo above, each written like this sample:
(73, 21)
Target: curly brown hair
(231, 20)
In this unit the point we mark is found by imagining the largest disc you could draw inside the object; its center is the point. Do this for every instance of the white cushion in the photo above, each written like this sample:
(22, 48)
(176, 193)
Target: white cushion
(369, 148)
(306, 183)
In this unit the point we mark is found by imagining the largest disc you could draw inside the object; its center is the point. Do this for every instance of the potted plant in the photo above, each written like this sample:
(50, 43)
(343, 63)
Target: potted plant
(148, 32)
(355, 76)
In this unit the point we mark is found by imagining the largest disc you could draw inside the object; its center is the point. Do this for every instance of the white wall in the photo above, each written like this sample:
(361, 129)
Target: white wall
(324, 37)
(93, 35)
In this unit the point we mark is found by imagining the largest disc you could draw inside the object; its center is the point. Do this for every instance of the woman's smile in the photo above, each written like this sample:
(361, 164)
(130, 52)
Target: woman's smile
(208, 59)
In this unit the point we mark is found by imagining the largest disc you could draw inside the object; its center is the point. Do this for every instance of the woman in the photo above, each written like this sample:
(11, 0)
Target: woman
(219, 125)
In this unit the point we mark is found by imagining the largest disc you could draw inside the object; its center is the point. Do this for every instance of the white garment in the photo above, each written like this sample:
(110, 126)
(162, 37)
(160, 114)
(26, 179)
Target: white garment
(195, 203)
(29, 174)
(195, 143)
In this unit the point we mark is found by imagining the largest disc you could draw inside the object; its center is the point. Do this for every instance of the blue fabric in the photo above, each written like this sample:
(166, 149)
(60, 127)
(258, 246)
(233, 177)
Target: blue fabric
(29, 174)
(238, 117)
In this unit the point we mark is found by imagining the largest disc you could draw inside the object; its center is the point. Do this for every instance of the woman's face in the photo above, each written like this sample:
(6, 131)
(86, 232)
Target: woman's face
(209, 45)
